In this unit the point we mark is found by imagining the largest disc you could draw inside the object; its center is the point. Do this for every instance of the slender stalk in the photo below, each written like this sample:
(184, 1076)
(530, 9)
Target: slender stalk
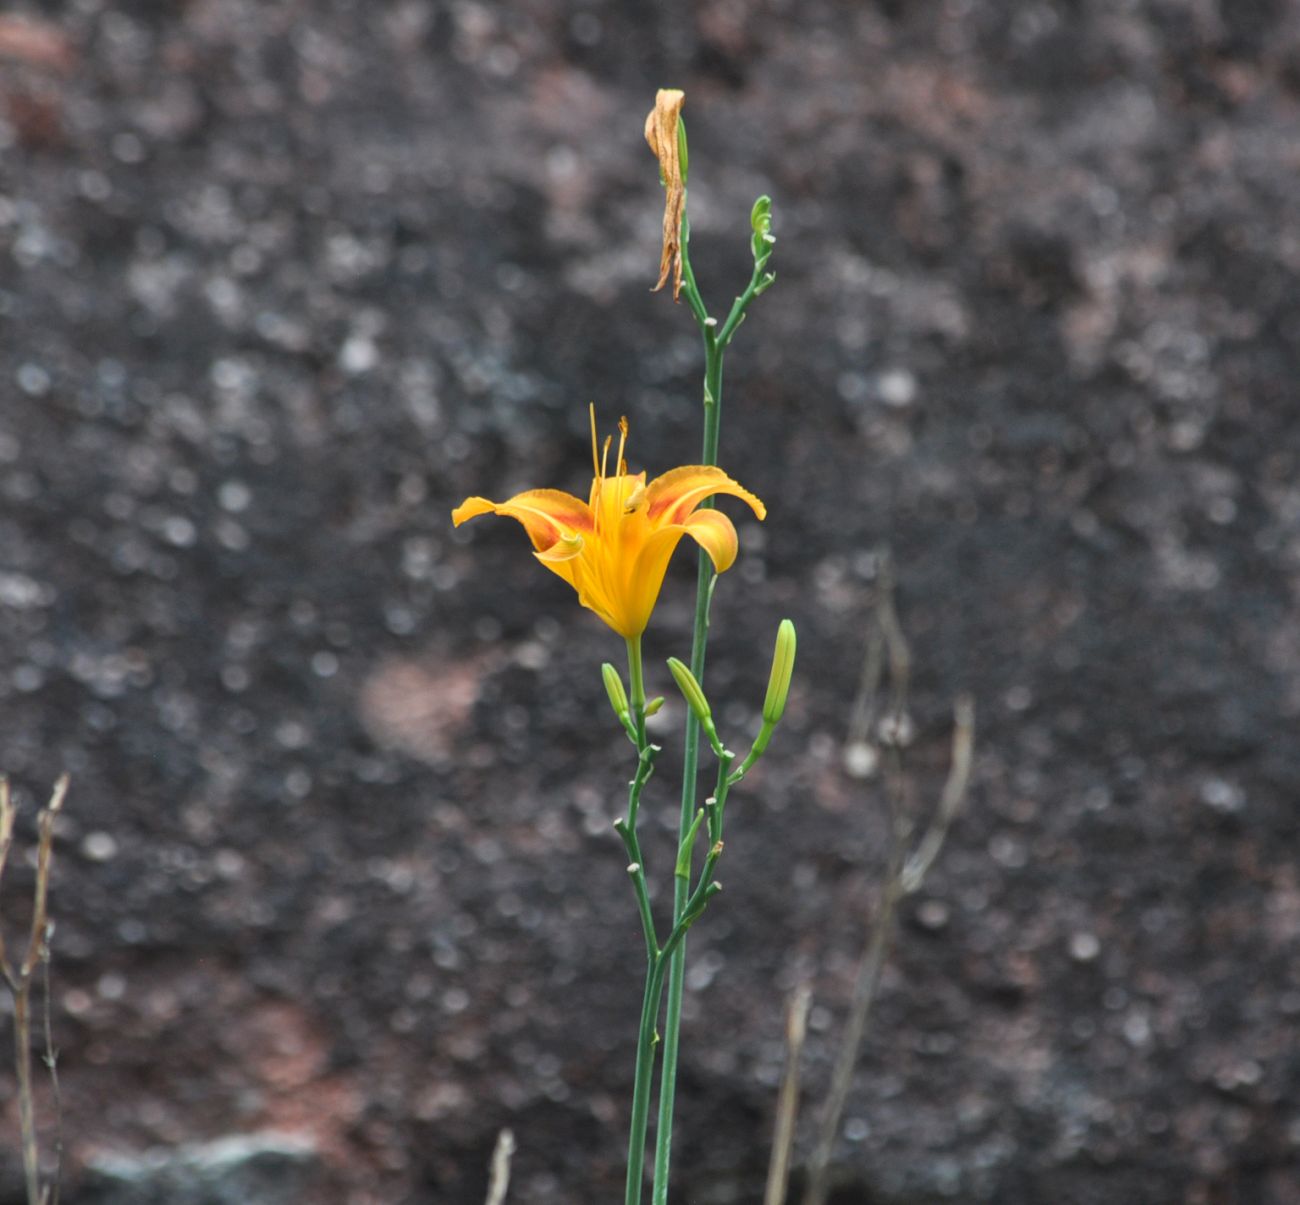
(905, 871)
(647, 1039)
(713, 353)
(636, 673)
(626, 828)
(19, 978)
(796, 1029)
(688, 905)
(499, 1177)
(864, 992)
(26, 1112)
(55, 1186)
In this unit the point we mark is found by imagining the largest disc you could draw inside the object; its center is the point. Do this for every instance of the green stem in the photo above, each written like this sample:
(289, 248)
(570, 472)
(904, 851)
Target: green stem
(645, 1059)
(636, 871)
(720, 791)
(646, 1038)
(636, 673)
(713, 352)
(741, 304)
(688, 905)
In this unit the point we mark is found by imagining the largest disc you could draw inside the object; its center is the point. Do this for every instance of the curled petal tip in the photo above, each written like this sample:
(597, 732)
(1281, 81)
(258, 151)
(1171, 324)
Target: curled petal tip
(471, 508)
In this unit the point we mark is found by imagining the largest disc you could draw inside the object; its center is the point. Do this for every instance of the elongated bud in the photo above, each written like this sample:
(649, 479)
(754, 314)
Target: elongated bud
(652, 707)
(691, 690)
(778, 683)
(614, 688)
(693, 693)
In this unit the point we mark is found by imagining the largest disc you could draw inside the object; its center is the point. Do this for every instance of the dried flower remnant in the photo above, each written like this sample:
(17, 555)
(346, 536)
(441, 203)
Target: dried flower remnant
(615, 548)
(663, 133)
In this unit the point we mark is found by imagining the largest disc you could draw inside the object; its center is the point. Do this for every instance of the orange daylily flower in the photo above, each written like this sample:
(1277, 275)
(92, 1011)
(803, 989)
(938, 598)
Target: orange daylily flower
(614, 549)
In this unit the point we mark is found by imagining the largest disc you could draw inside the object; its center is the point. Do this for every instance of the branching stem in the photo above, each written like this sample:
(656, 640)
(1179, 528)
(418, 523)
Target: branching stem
(684, 901)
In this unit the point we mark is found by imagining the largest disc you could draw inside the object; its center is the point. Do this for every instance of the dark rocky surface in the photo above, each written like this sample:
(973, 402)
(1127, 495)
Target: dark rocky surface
(280, 283)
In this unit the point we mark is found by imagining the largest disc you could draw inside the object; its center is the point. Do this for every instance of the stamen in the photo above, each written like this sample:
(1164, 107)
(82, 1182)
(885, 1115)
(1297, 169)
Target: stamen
(604, 459)
(595, 459)
(622, 441)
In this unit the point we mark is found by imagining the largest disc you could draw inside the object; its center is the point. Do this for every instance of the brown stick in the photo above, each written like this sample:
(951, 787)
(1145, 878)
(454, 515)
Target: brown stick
(499, 1179)
(787, 1105)
(55, 1186)
(19, 978)
(905, 872)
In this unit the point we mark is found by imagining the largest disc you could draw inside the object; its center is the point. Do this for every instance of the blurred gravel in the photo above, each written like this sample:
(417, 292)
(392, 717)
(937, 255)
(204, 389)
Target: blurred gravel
(280, 283)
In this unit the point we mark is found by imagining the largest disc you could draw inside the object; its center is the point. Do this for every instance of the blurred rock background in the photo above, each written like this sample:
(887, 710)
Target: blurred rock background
(282, 282)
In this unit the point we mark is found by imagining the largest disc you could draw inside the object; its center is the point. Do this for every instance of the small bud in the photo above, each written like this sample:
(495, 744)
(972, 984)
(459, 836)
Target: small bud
(695, 700)
(652, 707)
(614, 688)
(778, 684)
(760, 221)
(690, 689)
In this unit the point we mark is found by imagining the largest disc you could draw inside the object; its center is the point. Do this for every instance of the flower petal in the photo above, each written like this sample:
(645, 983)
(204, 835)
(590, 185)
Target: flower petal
(471, 508)
(565, 564)
(679, 491)
(645, 577)
(716, 534)
(547, 515)
(564, 549)
(711, 529)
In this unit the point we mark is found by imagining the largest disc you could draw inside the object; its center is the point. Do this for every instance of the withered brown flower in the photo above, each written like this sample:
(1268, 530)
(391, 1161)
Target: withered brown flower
(661, 134)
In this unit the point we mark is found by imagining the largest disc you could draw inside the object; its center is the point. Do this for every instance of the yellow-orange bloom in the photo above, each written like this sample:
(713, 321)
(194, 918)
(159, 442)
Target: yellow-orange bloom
(614, 549)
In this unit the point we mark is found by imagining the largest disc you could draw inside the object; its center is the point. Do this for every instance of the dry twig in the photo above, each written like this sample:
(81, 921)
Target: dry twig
(796, 1029)
(18, 976)
(905, 871)
(499, 1178)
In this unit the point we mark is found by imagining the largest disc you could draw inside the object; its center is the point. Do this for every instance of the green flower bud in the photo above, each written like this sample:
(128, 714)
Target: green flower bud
(691, 691)
(652, 707)
(695, 700)
(617, 694)
(778, 684)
